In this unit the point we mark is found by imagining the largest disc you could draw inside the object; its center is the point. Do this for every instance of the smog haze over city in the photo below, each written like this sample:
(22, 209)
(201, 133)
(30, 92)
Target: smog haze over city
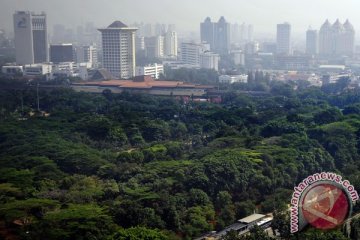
(186, 14)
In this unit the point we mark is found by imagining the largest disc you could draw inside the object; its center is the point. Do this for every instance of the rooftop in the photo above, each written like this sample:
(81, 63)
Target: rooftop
(117, 24)
(144, 82)
(252, 218)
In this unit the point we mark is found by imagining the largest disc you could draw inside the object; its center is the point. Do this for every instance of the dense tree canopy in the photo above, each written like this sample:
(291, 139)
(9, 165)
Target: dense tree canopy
(132, 166)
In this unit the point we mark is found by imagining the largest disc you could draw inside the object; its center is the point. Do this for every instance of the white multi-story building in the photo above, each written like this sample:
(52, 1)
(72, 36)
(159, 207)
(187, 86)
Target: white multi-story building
(171, 44)
(337, 39)
(190, 53)
(233, 78)
(238, 57)
(64, 69)
(153, 70)
(12, 70)
(87, 54)
(209, 60)
(39, 69)
(118, 42)
(31, 40)
(283, 39)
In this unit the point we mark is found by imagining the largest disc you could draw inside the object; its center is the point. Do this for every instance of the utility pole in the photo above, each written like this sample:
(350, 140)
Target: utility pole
(37, 97)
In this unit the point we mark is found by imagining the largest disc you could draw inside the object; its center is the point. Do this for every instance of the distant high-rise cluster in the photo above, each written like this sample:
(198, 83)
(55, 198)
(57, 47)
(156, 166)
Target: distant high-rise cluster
(336, 39)
(217, 34)
(157, 41)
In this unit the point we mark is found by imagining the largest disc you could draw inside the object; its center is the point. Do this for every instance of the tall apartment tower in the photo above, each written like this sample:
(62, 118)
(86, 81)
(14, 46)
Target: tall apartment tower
(222, 36)
(118, 43)
(171, 44)
(283, 39)
(31, 41)
(336, 39)
(312, 42)
(216, 34)
(207, 32)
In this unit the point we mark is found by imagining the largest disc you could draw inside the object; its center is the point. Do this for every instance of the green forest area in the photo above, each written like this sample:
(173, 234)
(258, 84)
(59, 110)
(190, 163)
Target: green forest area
(132, 166)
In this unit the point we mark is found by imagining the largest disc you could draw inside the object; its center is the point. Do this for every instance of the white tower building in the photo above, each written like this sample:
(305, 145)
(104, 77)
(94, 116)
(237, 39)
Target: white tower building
(118, 42)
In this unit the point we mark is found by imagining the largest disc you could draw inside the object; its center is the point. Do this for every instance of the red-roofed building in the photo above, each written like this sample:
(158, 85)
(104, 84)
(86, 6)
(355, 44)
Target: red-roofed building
(145, 84)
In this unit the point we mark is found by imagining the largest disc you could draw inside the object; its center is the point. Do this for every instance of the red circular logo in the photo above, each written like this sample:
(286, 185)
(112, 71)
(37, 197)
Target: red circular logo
(325, 206)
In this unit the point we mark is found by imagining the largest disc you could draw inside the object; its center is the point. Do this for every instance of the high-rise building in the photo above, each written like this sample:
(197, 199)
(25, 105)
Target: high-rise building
(190, 52)
(311, 42)
(207, 32)
(337, 39)
(118, 45)
(154, 47)
(349, 38)
(61, 53)
(216, 34)
(243, 32)
(325, 39)
(222, 36)
(171, 44)
(31, 40)
(139, 43)
(283, 39)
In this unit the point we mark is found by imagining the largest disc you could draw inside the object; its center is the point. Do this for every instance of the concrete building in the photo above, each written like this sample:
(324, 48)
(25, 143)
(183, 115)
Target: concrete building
(222, 36)
(146, 85)
(283, 39)
(63, 69)
(12, 70)
(238, 57)
(216, 34)
(233, 78)
(171, 44)
(190, 53)
(61, 53)
(154, 47)
(118, 45)
(311, 42)
(139, 43)
(31, 40)
(209, 60)
(207, 32)
(39, 69)
(87, 54)
(153, 70)
(337, 39)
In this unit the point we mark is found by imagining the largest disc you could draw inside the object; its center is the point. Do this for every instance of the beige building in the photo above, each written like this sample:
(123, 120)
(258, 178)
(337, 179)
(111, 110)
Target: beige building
(118, 42)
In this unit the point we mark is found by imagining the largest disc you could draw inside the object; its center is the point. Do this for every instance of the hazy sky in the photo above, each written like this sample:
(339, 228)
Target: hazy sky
(187, 14)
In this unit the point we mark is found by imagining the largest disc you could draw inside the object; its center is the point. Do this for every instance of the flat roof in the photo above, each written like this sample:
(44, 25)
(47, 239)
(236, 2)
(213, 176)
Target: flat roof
(333, 66)
(252, 218)
(235, 227)
(147, 83)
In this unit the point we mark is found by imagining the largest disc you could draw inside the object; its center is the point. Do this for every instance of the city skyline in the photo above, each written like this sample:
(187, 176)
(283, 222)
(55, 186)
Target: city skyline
(298, 13)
